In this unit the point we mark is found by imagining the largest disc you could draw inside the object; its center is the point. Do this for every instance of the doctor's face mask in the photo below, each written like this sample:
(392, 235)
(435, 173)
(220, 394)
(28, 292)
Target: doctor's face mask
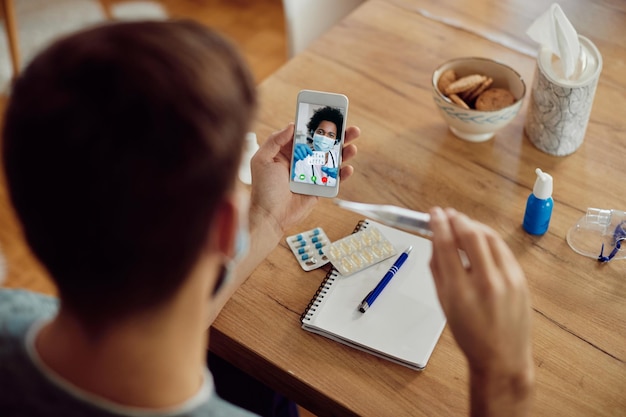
(322, 143)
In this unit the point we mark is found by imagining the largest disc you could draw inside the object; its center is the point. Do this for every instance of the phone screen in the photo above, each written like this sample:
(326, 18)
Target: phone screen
(318, 142)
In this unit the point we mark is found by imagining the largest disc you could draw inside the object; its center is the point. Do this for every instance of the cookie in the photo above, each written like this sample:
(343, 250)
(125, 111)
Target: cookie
(458, 100)
(473, 95)
(446, 78)
(467, 83)
(494, 99)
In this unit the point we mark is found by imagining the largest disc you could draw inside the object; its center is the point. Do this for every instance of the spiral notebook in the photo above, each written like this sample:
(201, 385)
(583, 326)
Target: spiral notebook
(403, 325)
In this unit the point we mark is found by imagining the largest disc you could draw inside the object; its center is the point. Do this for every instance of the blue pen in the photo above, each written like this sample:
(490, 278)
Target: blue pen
(372, 295)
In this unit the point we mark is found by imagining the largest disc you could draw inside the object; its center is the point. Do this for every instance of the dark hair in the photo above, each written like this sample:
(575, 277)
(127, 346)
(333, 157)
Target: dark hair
(119, 143)
(329, 114)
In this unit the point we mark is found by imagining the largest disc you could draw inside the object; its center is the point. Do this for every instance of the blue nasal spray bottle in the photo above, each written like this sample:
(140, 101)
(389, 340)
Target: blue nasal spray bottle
(539, 205)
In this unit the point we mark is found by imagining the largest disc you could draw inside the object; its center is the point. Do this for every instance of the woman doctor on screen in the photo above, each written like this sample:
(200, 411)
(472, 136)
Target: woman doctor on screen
(325, 128)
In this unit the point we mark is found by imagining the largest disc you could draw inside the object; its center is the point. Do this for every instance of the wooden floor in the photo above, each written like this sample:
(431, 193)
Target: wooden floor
(256, 27)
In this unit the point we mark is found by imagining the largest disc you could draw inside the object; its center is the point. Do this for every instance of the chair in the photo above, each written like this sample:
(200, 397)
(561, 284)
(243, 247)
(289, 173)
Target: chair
(8, 11)
(306, 20)
(133, 9)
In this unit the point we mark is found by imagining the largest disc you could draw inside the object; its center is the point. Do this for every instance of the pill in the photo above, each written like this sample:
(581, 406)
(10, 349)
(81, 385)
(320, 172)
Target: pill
(377, 251)
(298, 238)
(356, 259)
(345, 247)
(305, 257)
(315, 239)
(367, 255)
(335, 251)
(315, 232)
(303, 249)
(388, 248)
(347, 265)
(319, 245)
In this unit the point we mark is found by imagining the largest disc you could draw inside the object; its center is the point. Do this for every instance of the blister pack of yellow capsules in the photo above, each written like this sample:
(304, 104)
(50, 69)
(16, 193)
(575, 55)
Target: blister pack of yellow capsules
(309, 248)
(360, 250)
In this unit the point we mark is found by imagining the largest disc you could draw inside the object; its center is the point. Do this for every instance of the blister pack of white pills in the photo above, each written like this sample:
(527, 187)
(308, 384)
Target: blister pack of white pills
(359, 250)
(309, 248)
(317, 158)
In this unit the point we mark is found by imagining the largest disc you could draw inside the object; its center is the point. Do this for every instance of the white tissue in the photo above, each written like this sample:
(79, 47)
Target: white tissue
(554, 31)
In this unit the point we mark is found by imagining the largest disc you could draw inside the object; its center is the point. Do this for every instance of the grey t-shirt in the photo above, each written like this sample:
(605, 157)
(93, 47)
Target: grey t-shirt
(27, 388)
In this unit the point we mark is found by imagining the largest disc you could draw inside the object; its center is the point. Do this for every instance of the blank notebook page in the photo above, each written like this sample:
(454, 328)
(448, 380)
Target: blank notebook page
(403, 324)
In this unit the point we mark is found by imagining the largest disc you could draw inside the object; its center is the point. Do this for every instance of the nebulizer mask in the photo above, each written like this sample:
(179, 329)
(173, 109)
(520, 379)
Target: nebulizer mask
(600, 234)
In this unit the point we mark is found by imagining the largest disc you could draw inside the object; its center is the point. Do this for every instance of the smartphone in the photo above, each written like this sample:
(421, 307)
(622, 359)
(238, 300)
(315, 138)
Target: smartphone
(318, 140)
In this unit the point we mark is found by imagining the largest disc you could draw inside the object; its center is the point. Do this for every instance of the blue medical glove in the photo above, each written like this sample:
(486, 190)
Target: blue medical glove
(331, 172)
(301, 151)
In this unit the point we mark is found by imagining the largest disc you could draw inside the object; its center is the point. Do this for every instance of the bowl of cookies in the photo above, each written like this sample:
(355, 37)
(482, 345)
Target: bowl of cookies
(477, 96)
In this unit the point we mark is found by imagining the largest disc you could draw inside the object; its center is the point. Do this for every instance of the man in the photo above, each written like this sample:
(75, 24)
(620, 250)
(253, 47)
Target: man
(121, 147)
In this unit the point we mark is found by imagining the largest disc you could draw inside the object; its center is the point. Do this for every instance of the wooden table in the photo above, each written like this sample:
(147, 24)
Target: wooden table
(382, 57)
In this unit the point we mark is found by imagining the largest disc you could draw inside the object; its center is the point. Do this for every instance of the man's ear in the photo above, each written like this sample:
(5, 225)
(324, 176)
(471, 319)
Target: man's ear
(223, 229)
(221, 237)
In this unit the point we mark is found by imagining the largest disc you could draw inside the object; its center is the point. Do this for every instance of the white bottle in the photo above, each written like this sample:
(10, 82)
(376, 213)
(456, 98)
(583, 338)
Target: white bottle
(250, 147)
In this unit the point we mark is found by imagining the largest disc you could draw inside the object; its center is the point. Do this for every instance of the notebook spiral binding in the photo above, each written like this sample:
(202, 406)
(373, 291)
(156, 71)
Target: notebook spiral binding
(327, 282)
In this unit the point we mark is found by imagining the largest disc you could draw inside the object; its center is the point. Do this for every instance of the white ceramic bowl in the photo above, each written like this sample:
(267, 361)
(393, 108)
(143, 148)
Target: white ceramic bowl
(475, 125)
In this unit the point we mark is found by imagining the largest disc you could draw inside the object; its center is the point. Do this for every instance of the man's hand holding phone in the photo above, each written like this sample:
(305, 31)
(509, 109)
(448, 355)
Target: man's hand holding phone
(271, 200)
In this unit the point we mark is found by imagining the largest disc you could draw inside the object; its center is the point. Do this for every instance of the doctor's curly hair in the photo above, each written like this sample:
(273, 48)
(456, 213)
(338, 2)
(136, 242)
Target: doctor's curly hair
(327, 113)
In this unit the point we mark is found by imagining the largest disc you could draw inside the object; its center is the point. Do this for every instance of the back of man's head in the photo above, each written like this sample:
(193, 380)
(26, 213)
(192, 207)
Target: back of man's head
(119, 142)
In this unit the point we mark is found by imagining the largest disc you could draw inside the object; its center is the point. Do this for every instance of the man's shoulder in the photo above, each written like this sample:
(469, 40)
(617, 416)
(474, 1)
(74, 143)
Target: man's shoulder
(20, 301)
(26, 391)
(20, 308)
(219, 407)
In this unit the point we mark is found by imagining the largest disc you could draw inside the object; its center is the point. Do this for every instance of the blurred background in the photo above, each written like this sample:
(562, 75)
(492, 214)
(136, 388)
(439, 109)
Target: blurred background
(256, 26)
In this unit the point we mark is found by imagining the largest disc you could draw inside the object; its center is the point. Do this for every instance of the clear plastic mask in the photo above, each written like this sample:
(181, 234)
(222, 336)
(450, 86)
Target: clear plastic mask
(600, 234)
